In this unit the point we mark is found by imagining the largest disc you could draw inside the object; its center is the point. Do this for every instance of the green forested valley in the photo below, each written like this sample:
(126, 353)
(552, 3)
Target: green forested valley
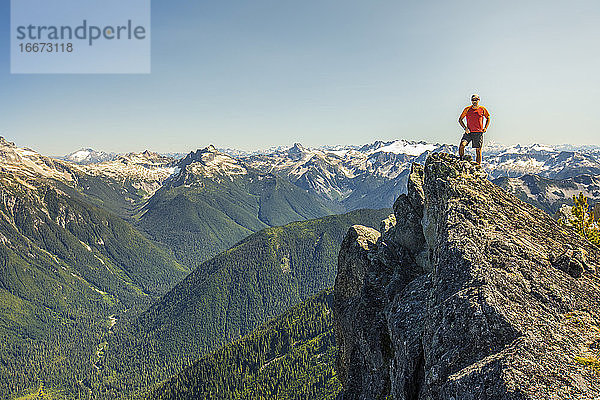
(199, 216)
(228, 297)
(65, 267)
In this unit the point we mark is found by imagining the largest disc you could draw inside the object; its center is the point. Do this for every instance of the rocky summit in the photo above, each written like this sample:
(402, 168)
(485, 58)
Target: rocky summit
(466, 293)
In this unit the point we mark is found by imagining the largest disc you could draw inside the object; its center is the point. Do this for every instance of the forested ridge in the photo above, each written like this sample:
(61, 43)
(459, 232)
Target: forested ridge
(290, 357)
(198, 217)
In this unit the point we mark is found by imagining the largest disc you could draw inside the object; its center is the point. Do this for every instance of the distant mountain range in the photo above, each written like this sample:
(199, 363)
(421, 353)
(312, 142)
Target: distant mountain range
(210, 199)
(550, 194)
(373, 175)
(88, 156)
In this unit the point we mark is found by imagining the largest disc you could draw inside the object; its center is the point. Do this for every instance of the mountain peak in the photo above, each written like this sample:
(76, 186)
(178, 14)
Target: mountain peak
(145, 159)
(148, 153)
(208, 162)
(296, 152)
(203, 155)
(6, 143)
(467, 293)
(297, 147)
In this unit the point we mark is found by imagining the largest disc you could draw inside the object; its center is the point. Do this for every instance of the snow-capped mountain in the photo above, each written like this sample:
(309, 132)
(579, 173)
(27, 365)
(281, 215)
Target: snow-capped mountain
(550, 194)
(206, 163)
(244, 153)
(366, 176)
(145, 166)
(546, 161)
(27, 163)
(141, 173)
(120, 185)
(374, 174)
(175, 156)
(89, 156)
(398, 147)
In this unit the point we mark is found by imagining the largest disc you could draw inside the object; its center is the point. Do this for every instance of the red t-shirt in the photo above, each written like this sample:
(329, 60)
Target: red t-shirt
(475, 117)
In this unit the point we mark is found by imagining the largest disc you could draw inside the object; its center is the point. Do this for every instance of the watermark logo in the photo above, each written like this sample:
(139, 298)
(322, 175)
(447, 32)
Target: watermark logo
(80, 36)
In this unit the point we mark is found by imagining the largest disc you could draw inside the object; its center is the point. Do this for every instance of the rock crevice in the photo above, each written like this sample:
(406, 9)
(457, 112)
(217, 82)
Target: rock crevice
(465, 294)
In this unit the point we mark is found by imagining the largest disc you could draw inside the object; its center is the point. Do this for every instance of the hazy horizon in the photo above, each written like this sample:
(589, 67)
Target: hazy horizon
(277, 146)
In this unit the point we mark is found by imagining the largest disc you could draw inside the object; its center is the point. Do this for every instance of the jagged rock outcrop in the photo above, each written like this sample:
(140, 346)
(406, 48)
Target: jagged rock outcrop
(468, 293)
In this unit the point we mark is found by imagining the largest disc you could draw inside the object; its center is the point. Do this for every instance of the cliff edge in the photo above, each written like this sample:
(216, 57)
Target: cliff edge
(466, 293)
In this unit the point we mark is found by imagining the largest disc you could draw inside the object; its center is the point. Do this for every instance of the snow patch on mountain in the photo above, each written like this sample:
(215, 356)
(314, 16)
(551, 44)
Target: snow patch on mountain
(405, 147)
(212, 165)
(141, 167)
(89, 156)
(29, 164)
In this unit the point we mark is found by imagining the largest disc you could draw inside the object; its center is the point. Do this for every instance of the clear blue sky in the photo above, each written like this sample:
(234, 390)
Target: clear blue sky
(250, 74)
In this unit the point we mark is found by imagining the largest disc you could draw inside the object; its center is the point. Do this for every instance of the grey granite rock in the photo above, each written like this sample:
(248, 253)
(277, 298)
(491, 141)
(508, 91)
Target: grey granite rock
(468, 293)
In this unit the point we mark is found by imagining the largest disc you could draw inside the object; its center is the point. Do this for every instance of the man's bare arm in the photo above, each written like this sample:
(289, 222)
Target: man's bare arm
(460, 121)
(487, 122)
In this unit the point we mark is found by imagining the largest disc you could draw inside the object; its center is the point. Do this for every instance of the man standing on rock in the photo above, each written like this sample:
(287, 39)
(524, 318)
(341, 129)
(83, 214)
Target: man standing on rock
(474, 128)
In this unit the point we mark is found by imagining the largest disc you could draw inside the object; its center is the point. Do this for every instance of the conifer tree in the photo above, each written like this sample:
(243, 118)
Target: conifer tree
(583, 219)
